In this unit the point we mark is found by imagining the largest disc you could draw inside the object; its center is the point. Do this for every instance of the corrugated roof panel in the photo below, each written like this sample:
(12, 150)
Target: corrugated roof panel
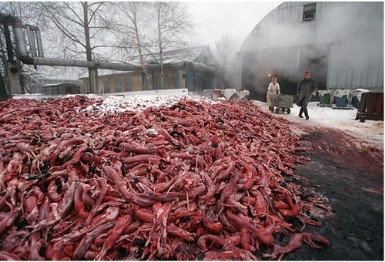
(172, 56)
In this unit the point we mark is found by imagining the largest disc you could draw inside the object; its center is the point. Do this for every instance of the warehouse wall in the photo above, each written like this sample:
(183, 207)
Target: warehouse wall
(342, 46)
(122, 82)
(194, 80)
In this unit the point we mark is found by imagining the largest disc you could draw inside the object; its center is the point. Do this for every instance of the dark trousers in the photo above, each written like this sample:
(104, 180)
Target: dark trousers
(303, 108)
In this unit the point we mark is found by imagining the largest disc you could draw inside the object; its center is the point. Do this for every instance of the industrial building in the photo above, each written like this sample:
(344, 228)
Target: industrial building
(341, 43)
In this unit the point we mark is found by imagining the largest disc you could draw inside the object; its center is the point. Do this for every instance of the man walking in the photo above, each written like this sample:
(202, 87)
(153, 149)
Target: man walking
(305, 89)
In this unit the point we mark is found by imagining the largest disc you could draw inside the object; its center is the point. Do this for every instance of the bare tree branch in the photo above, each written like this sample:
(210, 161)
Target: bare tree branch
(94, 12)
(68, 17)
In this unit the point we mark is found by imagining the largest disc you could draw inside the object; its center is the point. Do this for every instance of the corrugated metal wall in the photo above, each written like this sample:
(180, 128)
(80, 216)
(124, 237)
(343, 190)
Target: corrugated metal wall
(345, 39)
(368, 74)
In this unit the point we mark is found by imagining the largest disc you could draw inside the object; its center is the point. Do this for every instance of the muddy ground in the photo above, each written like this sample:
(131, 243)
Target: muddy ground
(349, 174)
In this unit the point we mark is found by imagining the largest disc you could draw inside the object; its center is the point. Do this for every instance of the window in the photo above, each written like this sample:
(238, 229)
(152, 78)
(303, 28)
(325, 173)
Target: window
(309, 12)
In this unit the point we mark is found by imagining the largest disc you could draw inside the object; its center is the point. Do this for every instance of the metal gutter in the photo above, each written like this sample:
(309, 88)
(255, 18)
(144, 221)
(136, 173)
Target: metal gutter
(76, 63)
(21, 47)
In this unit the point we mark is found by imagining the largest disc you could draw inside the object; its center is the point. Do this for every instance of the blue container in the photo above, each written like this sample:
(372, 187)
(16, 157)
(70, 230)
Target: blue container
(355, 101)
(342, 101)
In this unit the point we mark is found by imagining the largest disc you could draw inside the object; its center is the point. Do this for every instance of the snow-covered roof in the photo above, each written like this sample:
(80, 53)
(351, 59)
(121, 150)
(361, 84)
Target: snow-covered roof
(60, 83)
(190, 54)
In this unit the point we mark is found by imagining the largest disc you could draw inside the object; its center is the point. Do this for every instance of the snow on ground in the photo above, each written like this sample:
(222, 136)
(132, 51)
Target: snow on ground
(344, 119)
(130, 101)
(137, 101)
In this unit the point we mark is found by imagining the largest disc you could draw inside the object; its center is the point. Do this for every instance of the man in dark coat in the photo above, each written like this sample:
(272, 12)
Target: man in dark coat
(305, 90)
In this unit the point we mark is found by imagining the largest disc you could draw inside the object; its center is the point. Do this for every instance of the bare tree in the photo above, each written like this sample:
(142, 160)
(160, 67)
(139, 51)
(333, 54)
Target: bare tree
(225, 50)
(149, 28)
(172, 22)
(132, 28)
(82, 26)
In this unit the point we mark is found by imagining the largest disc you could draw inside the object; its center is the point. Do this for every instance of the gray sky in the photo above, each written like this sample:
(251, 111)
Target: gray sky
(235, 18)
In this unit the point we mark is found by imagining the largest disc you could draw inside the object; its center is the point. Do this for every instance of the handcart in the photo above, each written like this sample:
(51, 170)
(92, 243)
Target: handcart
(282, 103)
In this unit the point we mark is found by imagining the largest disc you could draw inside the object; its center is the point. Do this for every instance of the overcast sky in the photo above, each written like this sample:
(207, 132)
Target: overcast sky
(235, 18)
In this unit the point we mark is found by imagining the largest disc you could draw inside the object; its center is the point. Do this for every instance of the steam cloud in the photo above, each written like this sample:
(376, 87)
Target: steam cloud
(343, 46)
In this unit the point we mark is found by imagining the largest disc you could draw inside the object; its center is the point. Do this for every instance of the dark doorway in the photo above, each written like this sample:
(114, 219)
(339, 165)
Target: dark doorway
(258, 68)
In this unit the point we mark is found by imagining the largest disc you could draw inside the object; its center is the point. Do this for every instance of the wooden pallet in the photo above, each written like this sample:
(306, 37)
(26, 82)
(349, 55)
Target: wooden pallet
(371, 107)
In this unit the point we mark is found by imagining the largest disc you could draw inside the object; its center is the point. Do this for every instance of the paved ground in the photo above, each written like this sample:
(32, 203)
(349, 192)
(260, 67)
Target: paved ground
(348, 171)
(352, 180)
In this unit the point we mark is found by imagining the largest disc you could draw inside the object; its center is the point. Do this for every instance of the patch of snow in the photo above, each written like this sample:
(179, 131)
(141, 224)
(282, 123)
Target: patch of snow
(344, 119)
(35, 96)
(141, 100)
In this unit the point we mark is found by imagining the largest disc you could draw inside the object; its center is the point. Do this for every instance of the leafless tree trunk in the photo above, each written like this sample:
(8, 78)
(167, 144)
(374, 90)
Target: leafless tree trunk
(92, 72)
(158, 8)
(139, 45)
(225, 50)
(173, 22)
(131, 10)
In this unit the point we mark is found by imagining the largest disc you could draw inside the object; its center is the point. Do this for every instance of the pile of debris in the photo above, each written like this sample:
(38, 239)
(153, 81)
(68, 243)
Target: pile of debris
(226, 94)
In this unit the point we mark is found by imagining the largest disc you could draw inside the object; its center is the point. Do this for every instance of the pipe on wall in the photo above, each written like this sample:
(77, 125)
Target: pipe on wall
(192, 65)
(34, 37)
(31, 39)
(8, 41)
(77, 63)
(22, 53)
(21, 47)
(39, 43)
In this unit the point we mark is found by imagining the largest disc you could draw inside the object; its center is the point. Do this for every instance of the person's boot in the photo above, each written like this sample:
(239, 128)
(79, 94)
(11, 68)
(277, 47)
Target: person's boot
(306, 114)
(300, 113)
